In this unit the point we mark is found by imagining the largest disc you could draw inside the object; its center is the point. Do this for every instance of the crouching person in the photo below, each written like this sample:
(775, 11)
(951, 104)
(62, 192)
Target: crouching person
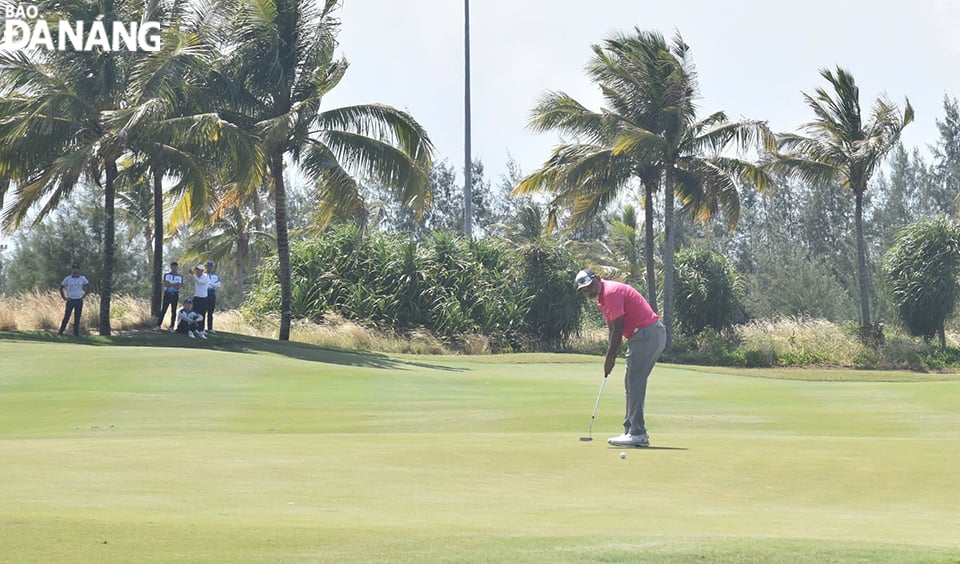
(189, 321)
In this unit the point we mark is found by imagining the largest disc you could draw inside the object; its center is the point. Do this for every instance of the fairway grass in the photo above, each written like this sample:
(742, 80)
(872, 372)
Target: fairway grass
(240, 450)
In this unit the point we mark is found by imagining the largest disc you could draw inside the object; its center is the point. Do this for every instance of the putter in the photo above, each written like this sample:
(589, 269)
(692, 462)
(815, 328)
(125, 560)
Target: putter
(589, 436)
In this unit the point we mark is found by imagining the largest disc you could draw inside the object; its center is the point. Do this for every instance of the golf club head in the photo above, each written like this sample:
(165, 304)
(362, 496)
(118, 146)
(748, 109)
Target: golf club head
(586, 438)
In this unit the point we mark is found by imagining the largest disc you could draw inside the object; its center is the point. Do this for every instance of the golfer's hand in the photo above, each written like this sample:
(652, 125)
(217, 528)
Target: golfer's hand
(608, 366)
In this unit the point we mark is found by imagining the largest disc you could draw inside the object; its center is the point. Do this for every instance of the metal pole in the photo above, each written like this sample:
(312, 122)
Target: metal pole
(467, 160)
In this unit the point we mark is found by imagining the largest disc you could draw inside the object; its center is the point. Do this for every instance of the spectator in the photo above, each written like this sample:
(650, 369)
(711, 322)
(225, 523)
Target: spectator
(211, 295)
(200, 290)
(73, 289)
(172, 281)
(191, 322)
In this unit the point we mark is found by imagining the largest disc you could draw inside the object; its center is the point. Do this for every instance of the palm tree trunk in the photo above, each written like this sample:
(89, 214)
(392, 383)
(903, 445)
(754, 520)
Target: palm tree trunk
(283, 247)
(668, 196)
(109, 247)
(157, 242)
(862, 263)
(242, 252)
(648, 245)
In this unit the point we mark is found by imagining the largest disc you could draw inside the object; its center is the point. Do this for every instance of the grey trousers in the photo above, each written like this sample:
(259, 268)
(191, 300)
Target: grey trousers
(643, 350)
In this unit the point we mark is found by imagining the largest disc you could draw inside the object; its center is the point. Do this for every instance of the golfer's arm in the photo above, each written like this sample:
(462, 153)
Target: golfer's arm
(616, 337)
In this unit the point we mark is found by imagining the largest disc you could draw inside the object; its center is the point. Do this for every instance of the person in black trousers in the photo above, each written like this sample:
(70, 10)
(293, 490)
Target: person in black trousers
(172, 281)
(73, 289)
(211, 295)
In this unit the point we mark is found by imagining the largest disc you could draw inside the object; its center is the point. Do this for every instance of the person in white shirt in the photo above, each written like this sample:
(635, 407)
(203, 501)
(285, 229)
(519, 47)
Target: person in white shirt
(172, 281)
(211, 295)
(201, 288)
(73, 289)
(190, 322)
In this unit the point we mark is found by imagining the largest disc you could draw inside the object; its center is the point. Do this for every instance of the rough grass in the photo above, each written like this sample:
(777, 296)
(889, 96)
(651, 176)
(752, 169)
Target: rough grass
(43, 311)
(154, 448)
(767, 343)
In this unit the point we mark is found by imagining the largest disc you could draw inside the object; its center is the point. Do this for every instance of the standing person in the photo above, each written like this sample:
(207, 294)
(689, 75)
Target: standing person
(201, 288)
(211, 295)
(628, 315)
(172, 281)
(190, 322)
(73, 289)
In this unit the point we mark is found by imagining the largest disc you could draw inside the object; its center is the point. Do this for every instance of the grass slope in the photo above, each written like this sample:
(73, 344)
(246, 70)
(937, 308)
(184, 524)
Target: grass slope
(159, 449)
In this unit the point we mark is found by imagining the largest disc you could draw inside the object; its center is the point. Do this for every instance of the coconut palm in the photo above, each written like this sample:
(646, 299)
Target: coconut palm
(647, 133)
(55, 132)
(622, 256)
(231, 233)
(282, 64)
(170, 127)
(838, 146)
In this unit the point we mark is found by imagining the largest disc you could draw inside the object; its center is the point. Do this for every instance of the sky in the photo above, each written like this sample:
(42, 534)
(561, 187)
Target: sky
(754, 59)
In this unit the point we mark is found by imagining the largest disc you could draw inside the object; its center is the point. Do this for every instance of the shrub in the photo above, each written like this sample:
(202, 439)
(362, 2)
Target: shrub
(458, 289)
(707, 293)
(921, 271)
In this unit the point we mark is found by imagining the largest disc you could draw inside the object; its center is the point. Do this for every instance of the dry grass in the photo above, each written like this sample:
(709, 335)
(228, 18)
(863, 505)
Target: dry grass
(335, 331)
(814, 339)
(832, 343)
(785, 341)
(42, 311)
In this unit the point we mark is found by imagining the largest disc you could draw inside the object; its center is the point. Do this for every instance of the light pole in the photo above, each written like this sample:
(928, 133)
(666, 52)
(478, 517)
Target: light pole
(467, 160)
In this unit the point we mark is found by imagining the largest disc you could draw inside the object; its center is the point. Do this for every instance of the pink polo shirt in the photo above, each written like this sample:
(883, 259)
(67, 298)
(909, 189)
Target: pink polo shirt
(618, 299)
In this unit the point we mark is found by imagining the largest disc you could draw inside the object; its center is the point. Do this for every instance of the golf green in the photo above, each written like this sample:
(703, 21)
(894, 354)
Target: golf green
(242, 450)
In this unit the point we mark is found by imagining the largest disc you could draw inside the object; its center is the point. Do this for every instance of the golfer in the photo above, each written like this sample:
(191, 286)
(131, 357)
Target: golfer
(73, 289)
(172, 281)
(629, 316)
(211, 295)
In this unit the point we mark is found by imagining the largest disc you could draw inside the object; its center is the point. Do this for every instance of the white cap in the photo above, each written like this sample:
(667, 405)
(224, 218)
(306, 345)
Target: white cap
(584, 278)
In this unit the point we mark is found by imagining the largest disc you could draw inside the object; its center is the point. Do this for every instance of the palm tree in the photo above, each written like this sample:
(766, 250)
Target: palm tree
(529, 225)
(55, 132)
(282, 64)
(231, 231)
(169, 124)
(648, 133)
(840, 147)
(622, 255)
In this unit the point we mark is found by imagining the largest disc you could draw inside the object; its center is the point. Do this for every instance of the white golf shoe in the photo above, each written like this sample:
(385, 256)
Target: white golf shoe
(626, 440)
(203, 335)
(192, 336)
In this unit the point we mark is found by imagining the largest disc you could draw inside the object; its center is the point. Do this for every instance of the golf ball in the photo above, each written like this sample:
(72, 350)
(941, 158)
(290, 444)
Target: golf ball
(623, 455)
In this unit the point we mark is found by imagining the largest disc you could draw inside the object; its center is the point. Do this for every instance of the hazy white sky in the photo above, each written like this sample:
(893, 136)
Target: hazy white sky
(753, 57)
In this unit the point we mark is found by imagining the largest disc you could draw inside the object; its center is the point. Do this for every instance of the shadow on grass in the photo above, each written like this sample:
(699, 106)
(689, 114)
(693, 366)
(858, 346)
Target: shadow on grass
(632, 449)
(229, 342)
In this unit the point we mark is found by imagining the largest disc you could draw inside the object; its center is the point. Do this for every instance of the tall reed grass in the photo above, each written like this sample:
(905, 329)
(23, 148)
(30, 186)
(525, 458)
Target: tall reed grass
(336, 331)
(43, 311)
(761, 343)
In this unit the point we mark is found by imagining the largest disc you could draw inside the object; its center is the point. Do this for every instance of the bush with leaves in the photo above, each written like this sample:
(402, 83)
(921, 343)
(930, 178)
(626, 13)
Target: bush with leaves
(921, 271)
(554, 312)
(519, 299)
(708, 292)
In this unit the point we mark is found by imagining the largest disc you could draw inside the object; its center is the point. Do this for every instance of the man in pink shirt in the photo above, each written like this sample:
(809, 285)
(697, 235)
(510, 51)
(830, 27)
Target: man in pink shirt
(629, 316)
